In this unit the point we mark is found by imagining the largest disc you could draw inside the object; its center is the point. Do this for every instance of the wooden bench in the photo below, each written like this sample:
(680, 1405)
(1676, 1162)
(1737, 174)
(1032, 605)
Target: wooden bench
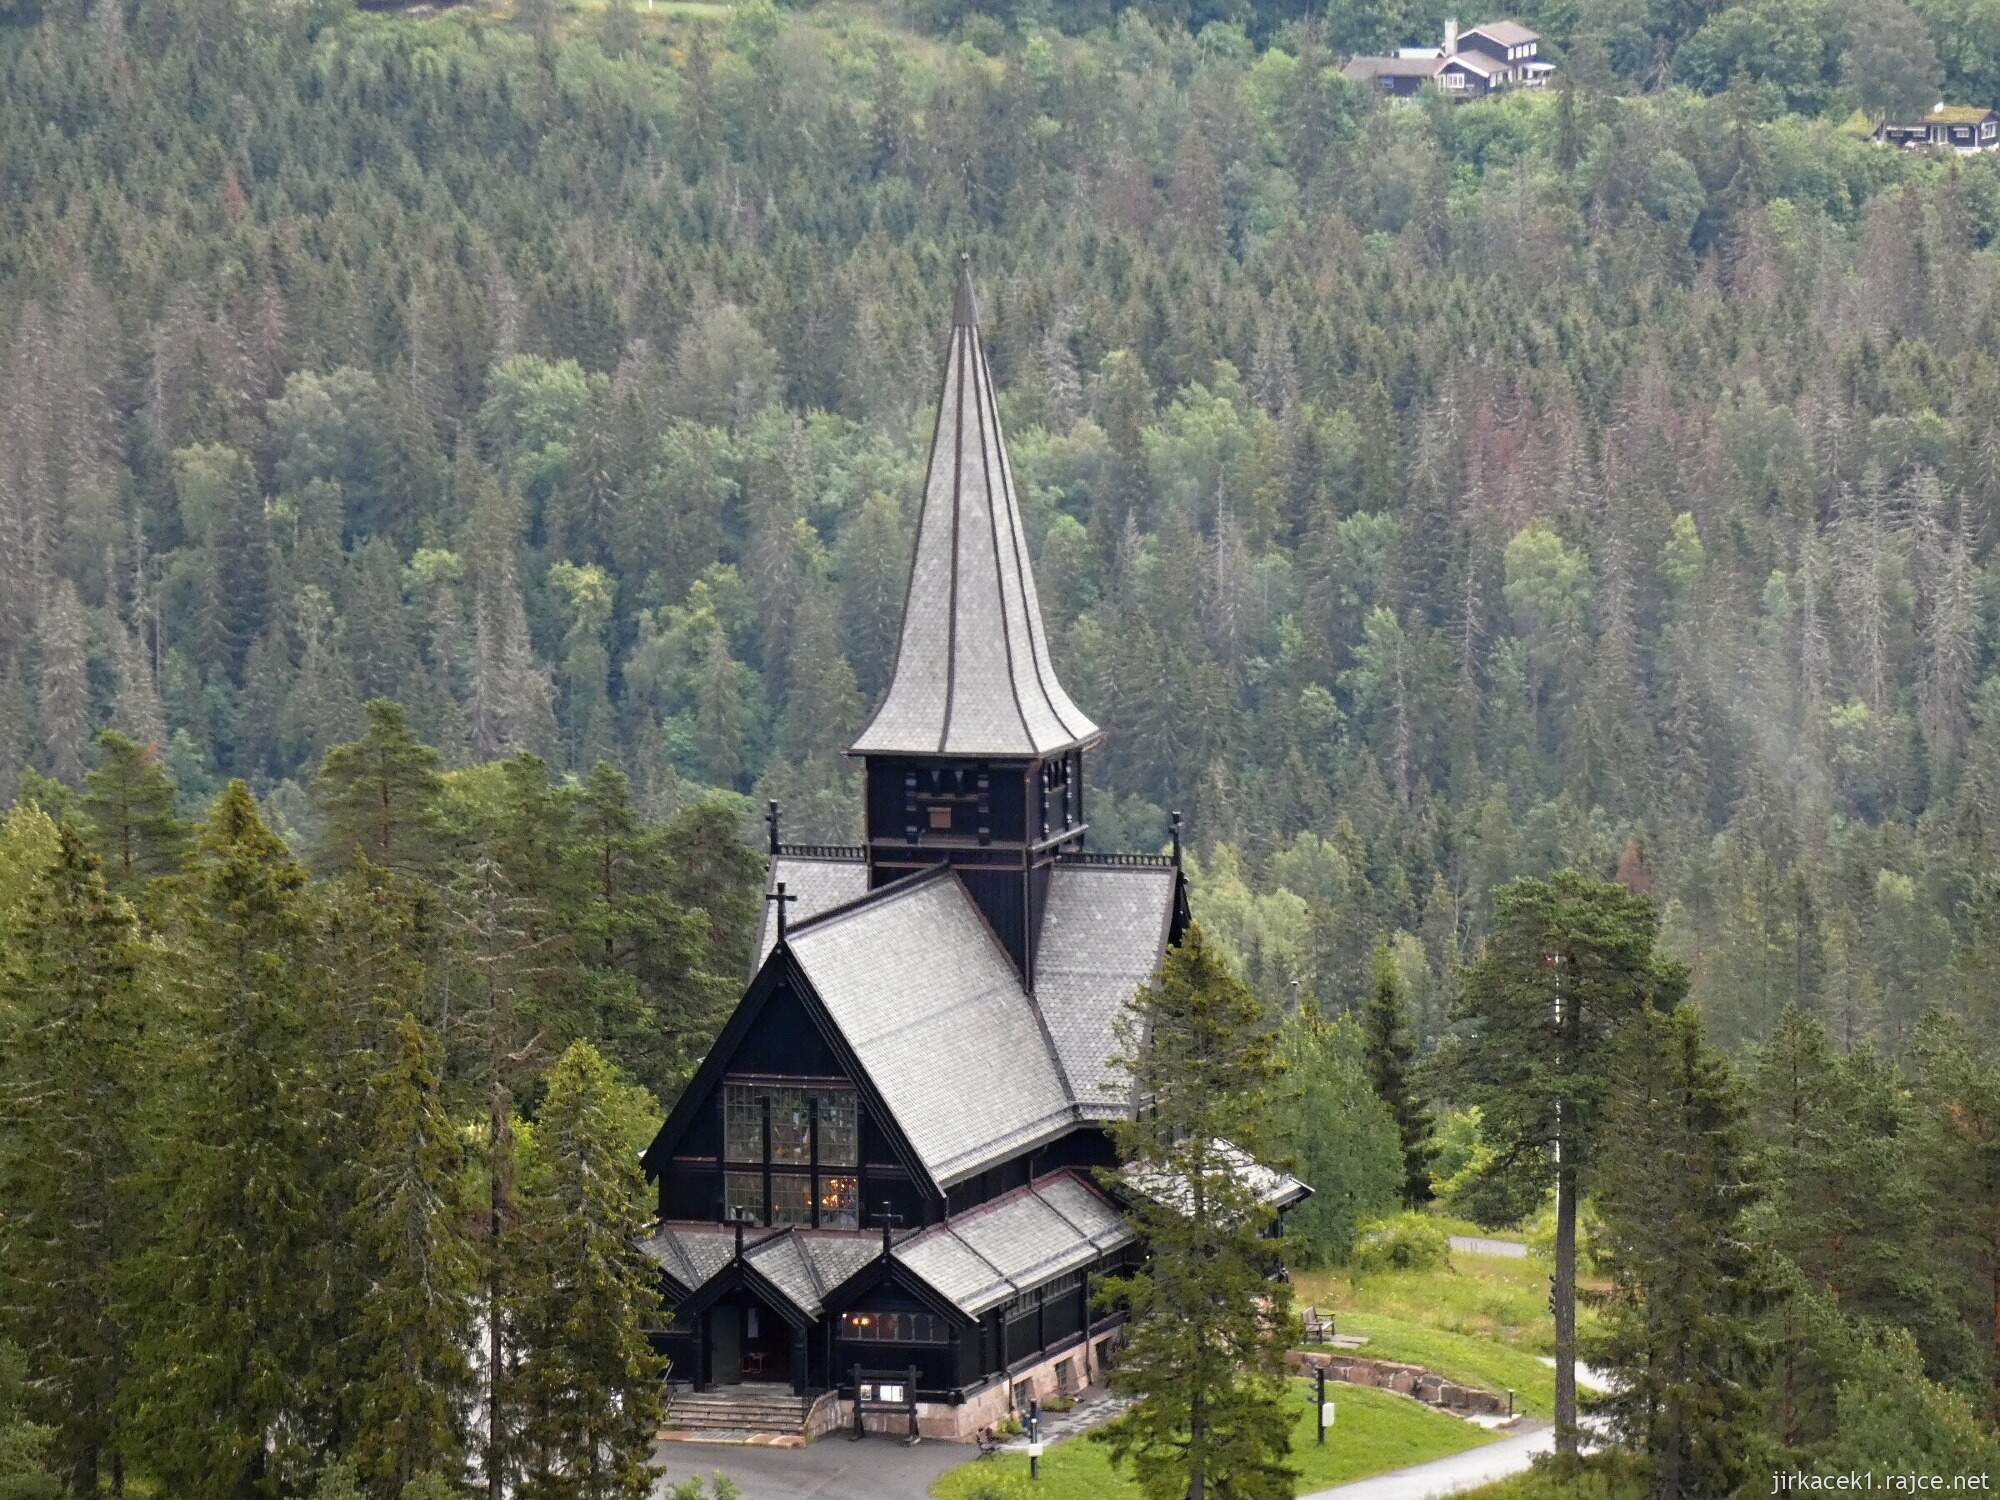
(1318, 1326)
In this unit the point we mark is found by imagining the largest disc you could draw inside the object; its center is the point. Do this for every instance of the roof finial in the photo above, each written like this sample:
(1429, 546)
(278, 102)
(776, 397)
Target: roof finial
(1174, 822)
(771, 817)
(779, 899)
(965, 307)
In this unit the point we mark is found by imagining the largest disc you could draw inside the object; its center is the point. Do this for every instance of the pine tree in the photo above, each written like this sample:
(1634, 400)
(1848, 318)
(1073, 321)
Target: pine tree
(129, 798)
(1568, 962)
(1205, 1345)
(417, 1307)
(379, 798)
(1385, 1023)
(1671, 1193)
(70, 1019)
(588, 1389)
(238, 1133)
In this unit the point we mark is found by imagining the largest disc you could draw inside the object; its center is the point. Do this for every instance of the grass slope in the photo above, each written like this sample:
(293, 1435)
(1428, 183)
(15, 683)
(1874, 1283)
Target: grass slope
(1375, 1432)
(1463, 1357)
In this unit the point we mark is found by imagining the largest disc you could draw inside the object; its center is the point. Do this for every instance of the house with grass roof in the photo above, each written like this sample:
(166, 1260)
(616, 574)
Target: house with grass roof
(1964, 128)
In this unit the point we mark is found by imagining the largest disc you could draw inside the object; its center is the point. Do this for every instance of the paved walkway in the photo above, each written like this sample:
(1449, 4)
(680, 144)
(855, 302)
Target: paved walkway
(1451, 1474)
(1479, 1244)
(877, 1468)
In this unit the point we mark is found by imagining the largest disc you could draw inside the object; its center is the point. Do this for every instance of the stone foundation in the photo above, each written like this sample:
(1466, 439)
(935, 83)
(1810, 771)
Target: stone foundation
(985, 1407)
(1408, 1380)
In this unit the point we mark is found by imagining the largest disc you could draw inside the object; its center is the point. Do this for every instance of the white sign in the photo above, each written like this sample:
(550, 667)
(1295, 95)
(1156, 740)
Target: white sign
(1034, 1450)
(1326, 1413)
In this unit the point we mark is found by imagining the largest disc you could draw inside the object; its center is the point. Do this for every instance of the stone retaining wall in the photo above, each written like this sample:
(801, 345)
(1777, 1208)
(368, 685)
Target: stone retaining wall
(1409, 1380)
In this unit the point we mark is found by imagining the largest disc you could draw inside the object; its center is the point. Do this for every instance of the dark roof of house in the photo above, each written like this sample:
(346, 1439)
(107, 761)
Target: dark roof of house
(1010, 1244)
(1470, 62)
(1506, 33)
(973, 675)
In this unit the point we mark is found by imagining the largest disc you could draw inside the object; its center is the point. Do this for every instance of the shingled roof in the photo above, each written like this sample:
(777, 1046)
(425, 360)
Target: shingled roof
(1019, 1240)
(973, 674)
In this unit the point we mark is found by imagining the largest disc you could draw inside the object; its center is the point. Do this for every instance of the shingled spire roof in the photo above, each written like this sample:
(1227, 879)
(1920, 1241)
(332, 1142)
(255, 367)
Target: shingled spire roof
(972, 675)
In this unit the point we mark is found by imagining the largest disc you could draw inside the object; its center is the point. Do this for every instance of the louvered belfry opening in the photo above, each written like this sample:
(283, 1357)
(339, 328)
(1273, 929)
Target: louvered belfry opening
(974, 757)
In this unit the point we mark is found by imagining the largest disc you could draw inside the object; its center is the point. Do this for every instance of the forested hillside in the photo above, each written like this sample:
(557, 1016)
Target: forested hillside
(1422, 496)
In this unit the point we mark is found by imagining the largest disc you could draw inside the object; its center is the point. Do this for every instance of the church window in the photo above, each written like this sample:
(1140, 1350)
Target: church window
(743, 1196)
(839, 1143)
(743, 1124)
(791, 1198)
(791, 1127)
(840, 1202)
(769, 1129)
(894, 1328)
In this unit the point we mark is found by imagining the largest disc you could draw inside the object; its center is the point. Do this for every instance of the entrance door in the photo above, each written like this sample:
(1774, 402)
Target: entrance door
(725, 1335)
(767, 1344)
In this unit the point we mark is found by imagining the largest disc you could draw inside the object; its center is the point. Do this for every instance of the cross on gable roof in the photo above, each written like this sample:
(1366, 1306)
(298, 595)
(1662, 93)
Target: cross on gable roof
(973, 674)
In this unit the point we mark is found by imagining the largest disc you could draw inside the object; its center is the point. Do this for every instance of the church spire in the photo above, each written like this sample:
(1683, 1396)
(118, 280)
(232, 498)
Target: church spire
(973, 675)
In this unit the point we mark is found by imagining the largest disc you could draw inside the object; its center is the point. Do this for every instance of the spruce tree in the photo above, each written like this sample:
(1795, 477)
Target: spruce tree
(588, 1389)
(379, 797)
(1569, 961)
(1672, 1187)
(129, 798)
(240, 1132)
(1390, 1054)
(417, 1306)
(70, 1022)
(1206, 1342)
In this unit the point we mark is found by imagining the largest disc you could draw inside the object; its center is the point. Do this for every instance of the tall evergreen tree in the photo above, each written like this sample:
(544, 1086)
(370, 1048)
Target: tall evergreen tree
(1208, 1333)
(584, 1297)
(1385, 1024)
(417, 1307)
(1570, 960)
(379, 797)
(222, 1294)
(70, 1021)
(1671, 1193)
(129, 798)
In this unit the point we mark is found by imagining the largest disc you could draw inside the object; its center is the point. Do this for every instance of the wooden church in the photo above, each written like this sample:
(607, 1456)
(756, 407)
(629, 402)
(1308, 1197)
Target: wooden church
(886, 1160)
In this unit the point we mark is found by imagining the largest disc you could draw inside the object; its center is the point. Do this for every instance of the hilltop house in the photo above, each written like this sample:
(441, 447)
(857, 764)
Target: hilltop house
(1964, 128)
(886, 1161)
(1470, 65)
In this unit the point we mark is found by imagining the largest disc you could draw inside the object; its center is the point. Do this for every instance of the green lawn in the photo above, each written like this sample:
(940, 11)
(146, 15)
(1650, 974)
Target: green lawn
(1375, 1432)
(1466, 1358)
(1490, 1296)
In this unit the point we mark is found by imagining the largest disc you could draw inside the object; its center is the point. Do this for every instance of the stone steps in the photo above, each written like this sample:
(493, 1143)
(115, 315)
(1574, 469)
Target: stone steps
(737, 1410)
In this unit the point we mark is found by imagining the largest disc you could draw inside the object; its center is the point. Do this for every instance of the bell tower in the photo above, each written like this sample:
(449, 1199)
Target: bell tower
(975, 756)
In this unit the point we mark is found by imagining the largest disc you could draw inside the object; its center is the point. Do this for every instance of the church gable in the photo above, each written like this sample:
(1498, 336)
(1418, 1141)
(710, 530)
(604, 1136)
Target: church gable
(781, 1125)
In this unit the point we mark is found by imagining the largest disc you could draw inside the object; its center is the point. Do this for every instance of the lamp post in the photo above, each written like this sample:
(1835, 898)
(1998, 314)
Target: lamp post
(1325, 1413)
(1034, 1438)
